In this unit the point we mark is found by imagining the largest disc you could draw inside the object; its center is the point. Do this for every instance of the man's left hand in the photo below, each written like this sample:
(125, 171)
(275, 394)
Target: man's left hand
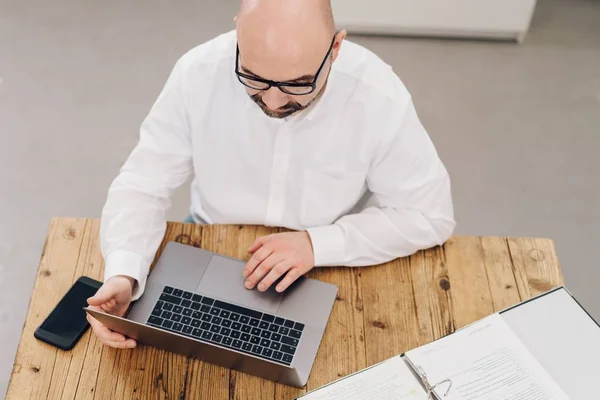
(289, 253)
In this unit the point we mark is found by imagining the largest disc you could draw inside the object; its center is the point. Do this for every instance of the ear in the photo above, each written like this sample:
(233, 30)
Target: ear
(339, 38)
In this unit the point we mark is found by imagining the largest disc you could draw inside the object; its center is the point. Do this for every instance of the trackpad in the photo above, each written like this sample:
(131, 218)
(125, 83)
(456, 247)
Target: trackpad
(223, 280)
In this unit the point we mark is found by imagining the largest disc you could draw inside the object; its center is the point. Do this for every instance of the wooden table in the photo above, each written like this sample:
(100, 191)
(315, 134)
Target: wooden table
(381, 311)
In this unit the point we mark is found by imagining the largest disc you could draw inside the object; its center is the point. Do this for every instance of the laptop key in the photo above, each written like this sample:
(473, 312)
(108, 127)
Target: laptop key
(167, 314)
(168, 306)
(275, 345)
(157, 312)
(177, 327)
(244, 319)
(247, 346)
(159, 304)
(245, 337)
(276, 337)
(167, 324)
(206, 317)
(187, 312)
(288, 323)
(287, 358)
(177, 292)
(267, 352)
(265, 334)
(268, 317)
(279, 321)
(225, 331)
(215, 329)
(197, 333)
(176, 318)
(186, 320)
(284, 331)
(197, 314)
(214, 311)
(274, 328)
(170, 299)
(195, 306)
(256, 331)
(187, 330)
(205, 326)
(205, 308)
(237, 326)
(263, 325)
(206, 335)
(277, 355)
(238, 309)
(155, 320)
(237, 344)
(234, 317)
(187, 295)
(196, 323)
(168, 289)
(289, 341)
(216, 320)
(299, 326)
(186, 303)
(235, 334)
(208, 300)
(295, 334)
(288, 349)
(217, 338)
(265, 343)
(196, 297)
(255, 340)
(256, 349)
(224, 314)
(227, 341)
(226, 323)
(177, 309)
(253, 322)
(246, 328)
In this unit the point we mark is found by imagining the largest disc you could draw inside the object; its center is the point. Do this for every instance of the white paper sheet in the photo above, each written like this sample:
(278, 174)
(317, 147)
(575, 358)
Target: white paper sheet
(389, 380)
(485, 361)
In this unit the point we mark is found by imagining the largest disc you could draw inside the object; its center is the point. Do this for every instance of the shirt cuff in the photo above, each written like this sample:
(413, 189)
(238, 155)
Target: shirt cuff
(328, 245)
(128, 264)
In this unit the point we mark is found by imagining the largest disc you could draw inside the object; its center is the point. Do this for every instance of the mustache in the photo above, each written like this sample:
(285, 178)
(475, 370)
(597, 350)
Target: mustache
(291, 106)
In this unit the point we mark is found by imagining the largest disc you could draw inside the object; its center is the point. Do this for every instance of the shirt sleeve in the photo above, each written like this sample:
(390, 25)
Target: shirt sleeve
(410, 208)
(133, 220)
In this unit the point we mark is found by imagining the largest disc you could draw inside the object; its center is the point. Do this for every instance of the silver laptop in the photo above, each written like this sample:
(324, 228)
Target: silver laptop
(195, 304)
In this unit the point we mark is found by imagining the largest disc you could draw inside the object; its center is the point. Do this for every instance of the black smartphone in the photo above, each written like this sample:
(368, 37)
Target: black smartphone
(67, 322)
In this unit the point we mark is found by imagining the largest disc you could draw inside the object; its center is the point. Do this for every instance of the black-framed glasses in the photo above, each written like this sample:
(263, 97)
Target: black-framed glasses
(296, 89)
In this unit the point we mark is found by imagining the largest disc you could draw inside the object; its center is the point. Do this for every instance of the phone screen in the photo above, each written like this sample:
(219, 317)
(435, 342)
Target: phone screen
(68, 319)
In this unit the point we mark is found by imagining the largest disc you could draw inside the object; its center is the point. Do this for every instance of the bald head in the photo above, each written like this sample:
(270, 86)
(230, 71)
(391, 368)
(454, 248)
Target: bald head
(284, 41)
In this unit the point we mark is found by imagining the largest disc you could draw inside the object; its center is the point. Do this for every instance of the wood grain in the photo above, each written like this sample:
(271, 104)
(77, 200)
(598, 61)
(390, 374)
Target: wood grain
(380, 311)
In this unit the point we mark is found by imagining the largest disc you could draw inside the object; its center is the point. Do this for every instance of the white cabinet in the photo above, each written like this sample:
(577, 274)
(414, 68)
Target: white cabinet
(502, 19)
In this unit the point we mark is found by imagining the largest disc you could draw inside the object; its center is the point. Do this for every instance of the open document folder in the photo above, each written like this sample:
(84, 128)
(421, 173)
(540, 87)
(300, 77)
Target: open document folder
(546, 348)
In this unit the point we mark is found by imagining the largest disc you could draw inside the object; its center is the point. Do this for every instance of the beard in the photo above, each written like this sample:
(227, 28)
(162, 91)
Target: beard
(286, 110)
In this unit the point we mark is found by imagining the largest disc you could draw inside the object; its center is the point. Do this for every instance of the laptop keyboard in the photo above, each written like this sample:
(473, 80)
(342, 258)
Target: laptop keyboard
(228, 325)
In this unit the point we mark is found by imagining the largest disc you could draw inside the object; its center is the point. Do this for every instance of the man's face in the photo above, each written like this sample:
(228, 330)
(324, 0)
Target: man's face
(293, 69)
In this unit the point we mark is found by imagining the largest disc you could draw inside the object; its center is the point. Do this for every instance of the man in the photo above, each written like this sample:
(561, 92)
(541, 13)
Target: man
(283, 124)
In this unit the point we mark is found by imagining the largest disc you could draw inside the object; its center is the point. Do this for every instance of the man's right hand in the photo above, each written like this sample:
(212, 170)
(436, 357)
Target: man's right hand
(113, 297)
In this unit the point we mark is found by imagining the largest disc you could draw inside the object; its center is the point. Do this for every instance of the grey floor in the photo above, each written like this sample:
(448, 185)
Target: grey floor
(517, 125)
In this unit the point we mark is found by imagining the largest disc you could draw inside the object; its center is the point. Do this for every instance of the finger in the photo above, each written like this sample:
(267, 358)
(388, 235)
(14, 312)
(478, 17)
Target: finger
(104, 294)
(108, 337)
(290, 277)
(263, 269)
(276, 272)
(258, 243)
(255, 260)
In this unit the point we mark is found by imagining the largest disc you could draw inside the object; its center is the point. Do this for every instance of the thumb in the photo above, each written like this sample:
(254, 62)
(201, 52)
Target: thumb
(104, 294)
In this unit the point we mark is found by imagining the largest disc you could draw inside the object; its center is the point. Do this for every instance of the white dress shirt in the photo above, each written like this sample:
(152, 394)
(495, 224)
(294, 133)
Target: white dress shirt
(356, 169)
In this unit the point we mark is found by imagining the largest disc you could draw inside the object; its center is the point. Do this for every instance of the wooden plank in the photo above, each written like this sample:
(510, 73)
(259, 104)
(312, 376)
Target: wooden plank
(390, 315)
(536, 266)
(70, 366)
(342, 350)
(35, 360)
(432, 301)
(499, 269)
(467, 280)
